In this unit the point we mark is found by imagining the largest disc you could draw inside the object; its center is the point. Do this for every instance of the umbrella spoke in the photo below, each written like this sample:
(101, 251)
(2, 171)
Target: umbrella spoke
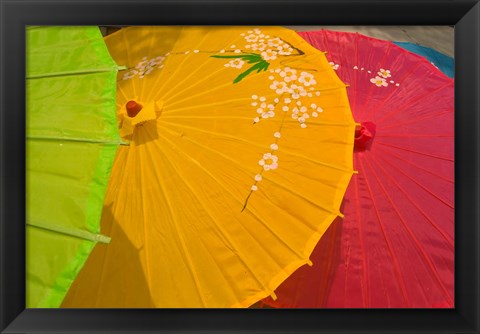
(420, 249)
(253, 144)
(409, 162)
(414, 151)
(388, 243)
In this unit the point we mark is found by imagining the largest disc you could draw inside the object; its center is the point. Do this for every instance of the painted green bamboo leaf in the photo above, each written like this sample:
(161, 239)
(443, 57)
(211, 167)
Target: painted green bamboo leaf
(250, 58)
(260, 66)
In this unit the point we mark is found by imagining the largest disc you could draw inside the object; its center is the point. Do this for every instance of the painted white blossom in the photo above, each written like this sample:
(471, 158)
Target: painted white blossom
(144, 67)
(129, 74)
(275, 42)
(269, 161)
(277, 134)
(258, 178)
(384, 73)
(334, 66)
(286, 50)
(279, 87)
(274, 147)
(235, 63)
(269, 55)
(258, 47)
(379, 81)
(252, 38)
(307, 79)
(288, 74)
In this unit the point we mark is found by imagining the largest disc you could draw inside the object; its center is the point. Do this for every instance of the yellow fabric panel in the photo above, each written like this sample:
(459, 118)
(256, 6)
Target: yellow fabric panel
(187, 229)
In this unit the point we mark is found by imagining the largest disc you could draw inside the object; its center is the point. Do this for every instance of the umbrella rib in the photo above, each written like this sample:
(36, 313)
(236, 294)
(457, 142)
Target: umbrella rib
(372, 88)
(275, 182)
(410, 233)
(362, 244)
(81, 140)
(416, 120)
(129, 59)
(241, 202)
(173, 75)
(224, 234)
(411, 102)
(447, 239)
(72, 73)
(227, 84)
(257, 145)
(124, 95)
(155, 83)
(166, 112)
(291, 121)
(417, 152)
(143, 181)
(203, 92)
(401, 135)
(419, 184)
(108, 249)
(186, 78)
(251, 172)
(186, 253)
(355, 72)
(384, 151)
(226, 157)
(77, 233)
(142, 82)
(389, 246)
(386, 98)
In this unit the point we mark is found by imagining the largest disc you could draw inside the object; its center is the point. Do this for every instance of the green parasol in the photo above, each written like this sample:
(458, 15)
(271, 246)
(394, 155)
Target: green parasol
(72, 138)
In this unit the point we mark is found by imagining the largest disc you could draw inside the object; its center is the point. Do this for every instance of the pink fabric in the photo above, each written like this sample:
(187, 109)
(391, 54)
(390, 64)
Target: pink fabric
(395, 246)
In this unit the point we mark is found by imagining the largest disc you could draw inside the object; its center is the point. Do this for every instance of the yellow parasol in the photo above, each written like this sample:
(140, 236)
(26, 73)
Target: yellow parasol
(239, 138)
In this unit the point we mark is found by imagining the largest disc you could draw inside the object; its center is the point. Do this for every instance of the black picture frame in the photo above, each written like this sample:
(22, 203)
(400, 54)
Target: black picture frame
(16, 14)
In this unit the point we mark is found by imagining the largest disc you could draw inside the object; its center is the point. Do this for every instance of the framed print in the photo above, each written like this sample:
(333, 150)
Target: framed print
(201, 146)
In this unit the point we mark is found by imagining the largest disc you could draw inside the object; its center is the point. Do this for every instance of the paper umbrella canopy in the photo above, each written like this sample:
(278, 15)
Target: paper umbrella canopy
(240, 152)
(395, 247)
(72, 137)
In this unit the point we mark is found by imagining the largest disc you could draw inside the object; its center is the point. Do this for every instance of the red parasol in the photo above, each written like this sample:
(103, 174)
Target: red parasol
(395, 246)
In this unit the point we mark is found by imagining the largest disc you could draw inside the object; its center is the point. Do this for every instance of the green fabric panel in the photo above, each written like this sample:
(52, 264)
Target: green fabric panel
(59, 50)
(72, 138)
(53, 261)
(66, 182)
(79, 107)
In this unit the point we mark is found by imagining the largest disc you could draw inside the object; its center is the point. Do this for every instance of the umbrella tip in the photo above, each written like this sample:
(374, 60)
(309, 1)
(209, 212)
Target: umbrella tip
(133, 108)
